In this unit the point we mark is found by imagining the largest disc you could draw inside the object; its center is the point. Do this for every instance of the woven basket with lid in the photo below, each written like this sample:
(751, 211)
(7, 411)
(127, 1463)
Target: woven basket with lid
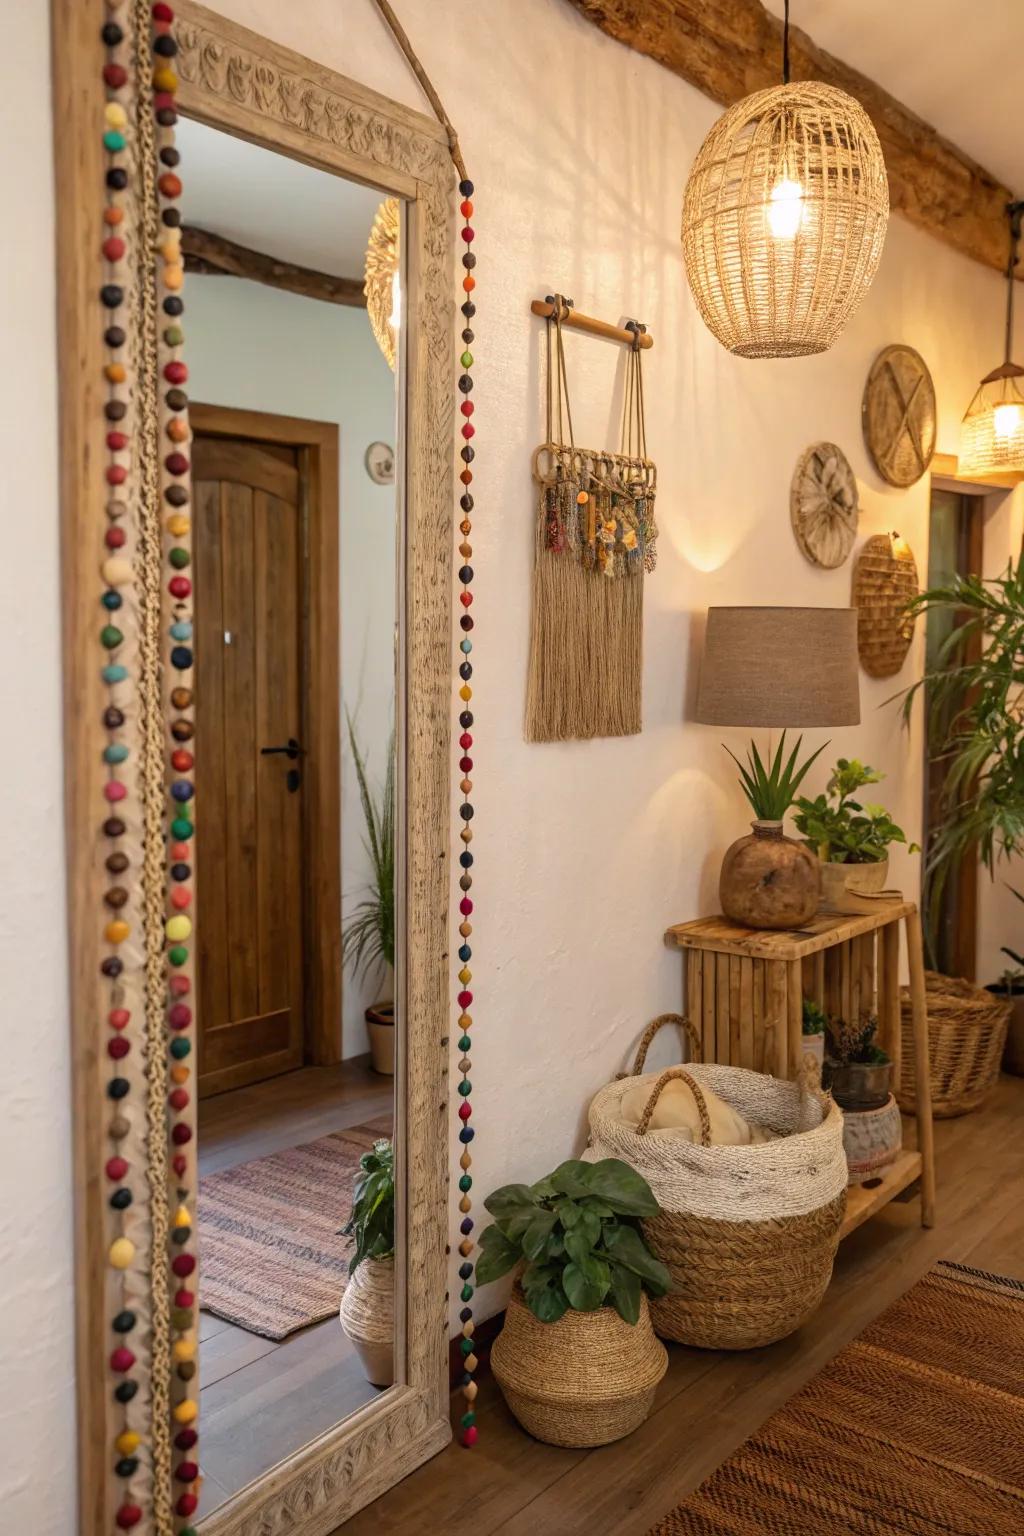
(748, 1233)
(966, 1036)
(586, 1380)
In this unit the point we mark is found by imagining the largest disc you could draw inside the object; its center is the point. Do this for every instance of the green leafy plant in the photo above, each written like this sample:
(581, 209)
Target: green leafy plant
(976, 718)
(814, 1020)
(372, 1220)
(772, 790)
(842, 829)
(369, 934)
(853, 1041)
(577, 1234)
(1013, 978)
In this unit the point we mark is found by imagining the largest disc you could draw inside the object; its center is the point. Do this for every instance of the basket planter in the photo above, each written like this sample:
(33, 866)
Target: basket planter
(586, 1380)
(749, 1233)
(367, 1317)
(872, 1139)
(1013, 1055)
(966, 1036)
(841, 881)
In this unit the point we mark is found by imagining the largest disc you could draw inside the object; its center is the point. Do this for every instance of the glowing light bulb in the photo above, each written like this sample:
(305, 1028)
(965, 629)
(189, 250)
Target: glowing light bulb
(1007, 420)
(395, 318)
(786, 208)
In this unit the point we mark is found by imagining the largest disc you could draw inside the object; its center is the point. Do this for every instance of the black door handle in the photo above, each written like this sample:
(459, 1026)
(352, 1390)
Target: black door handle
(292, 750)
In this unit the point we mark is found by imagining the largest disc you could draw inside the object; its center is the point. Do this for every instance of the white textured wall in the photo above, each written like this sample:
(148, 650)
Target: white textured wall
(585, 852)
(265, 350)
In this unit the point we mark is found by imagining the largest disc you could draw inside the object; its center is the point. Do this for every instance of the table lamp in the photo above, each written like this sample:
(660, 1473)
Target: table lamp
(781, 668)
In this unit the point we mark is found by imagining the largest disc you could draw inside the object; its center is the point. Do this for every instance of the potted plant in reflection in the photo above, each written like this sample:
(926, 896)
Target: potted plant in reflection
(1011, 986)
(769, 880)
(577, 1359)
(368, 937)
(813, 1031)
(367, 1312)
(851, 838)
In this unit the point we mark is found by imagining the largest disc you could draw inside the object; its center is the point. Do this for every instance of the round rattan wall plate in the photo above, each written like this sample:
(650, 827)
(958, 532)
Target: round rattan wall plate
(884, 582)
(379, 276)
(823, 505)
(898, 413)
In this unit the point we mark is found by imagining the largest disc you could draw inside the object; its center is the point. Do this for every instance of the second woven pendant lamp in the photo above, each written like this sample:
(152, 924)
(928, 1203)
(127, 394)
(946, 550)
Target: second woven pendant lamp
(784, 218)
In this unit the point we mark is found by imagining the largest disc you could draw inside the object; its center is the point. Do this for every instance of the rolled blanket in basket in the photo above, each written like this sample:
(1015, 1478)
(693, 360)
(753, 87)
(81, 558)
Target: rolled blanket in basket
(676, 1113)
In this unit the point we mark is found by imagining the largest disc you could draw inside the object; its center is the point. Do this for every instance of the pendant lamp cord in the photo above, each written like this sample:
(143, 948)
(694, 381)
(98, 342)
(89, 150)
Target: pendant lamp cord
(785, 45)
(402, 39)
(1015, 214)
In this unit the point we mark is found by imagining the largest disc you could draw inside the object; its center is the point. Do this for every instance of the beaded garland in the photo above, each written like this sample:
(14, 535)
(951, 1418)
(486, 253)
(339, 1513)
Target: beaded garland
(468, 1426)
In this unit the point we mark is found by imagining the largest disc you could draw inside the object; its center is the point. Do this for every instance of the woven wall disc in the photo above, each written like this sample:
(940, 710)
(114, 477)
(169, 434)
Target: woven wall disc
(823, 505)
(898, 414)
(379, 275)
(884, 582)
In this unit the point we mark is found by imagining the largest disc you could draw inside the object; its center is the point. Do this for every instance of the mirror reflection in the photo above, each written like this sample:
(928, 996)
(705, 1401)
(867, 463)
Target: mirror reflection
(294, 379)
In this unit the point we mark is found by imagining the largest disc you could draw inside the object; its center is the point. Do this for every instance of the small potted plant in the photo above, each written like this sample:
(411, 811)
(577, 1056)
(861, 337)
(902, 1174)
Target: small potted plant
(851, 839)
(769, 880)
(814, 1031)
(367, 1312)
(856, 1069)
(577, 1359)
(368, 936)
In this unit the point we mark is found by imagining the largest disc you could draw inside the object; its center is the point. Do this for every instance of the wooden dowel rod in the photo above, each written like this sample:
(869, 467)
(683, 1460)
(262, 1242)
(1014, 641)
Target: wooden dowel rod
(578, 322)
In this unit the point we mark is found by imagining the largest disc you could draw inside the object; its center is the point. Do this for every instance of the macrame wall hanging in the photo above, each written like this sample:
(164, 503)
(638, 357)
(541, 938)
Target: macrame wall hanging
(595, 542)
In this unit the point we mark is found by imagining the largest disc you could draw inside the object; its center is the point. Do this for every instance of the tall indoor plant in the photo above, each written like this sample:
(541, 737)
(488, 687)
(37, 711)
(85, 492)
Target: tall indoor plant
(367, 1312)
(368, 937)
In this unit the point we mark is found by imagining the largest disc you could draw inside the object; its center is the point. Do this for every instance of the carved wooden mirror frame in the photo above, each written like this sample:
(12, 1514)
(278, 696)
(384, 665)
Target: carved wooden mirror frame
(233, 79)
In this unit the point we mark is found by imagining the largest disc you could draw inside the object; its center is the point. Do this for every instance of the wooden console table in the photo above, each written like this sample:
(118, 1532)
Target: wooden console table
(743, 992)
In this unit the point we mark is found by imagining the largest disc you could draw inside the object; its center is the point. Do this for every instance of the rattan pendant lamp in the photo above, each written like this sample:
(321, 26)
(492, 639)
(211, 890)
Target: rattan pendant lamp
(784, 217)
(992, 432)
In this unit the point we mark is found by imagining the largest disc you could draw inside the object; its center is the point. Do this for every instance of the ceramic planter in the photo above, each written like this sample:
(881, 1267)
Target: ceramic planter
(380, 1026)
(859, 1085)
(586, 1380)
(872, 1139)
(769, 880)
(840, 882)
(367, 1317)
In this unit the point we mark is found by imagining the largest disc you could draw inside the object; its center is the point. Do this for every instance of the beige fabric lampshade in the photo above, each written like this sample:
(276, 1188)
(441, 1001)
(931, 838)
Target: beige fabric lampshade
(780, 667)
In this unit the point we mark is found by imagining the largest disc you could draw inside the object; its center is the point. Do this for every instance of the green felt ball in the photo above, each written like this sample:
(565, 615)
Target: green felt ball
(465, 1183)
(467, 1421)
(179, 558)
(115, 753)
(466, 1088)
(180, 1047)
(182, 828)
(110, 636)
(466, 1346)
(467, 1293)
(177, 954)
(466, 359)
(465, 1043)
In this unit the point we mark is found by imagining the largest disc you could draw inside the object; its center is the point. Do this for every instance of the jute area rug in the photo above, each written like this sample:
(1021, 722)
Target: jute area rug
(916, 1428)
(271, 1256)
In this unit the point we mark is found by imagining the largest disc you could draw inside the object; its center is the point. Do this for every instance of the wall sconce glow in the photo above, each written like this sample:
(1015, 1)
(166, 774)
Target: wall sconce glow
(382, 279)
(992, 431)
(786, 208)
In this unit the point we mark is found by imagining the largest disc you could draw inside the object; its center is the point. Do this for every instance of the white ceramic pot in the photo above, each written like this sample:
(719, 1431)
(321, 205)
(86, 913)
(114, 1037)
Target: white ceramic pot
(841, 881)
(367, 1317)
(872, 1139)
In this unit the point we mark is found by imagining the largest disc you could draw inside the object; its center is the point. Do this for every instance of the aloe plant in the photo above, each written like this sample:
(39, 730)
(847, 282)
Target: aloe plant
(771, 790)
(369, 934)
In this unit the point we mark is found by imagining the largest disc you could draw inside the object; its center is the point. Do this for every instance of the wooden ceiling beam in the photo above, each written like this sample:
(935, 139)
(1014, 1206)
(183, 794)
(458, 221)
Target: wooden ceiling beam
(730, 48)
(213, 255)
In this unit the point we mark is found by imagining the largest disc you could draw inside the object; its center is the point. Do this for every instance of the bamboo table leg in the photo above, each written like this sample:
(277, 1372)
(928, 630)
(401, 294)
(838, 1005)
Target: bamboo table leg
(922, 1070)
(795, 1012)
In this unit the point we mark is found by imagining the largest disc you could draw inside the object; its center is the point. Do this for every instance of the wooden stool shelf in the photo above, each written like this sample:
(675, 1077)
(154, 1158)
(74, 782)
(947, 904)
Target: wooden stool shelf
(744, 988)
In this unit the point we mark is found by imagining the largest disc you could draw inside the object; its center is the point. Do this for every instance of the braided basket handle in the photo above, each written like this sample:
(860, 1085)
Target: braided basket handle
(694, 1087)
(652, 1029)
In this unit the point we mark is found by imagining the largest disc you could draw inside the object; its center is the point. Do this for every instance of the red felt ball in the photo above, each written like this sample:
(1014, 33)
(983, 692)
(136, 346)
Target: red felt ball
(465, 906)
(187, 1504)
(176, 464)
(117, 1018)
(116, 441)
(118, 1047)
(180, 1165)
(466, 599)
(466, 764)
(180, 1016)
(179, 586)
(162, 12)
(114, 538)
(180, 986)
(464, 999)
(178, 1099)
(114, 75)
(467, 407)
(465, 741)
(469, 1436)
(169, 184)
(163, 101)
(175, 373)
(181, 760)
(128, 1516)
(186, 1471)
(469, 235)
(122, 1359)
(185, 1439)
(116, 1168)
(113, 248)
(465, 1110)
(116, 474)
(183, 1298)
(181, 1135)
(469, 430)
(183, 1264)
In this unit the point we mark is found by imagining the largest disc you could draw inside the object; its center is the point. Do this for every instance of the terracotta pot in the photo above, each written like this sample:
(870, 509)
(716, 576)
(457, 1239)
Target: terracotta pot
(859, 1085)
(840, 880)
(380, 1026)
(872, 1139)
(367, 1317)
(586, 1380)
(1013, 1053)
(769, 880)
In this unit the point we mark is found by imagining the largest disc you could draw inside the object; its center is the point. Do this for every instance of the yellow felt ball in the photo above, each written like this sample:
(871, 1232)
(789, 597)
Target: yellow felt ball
(178, 525)
(165, 79)
(174, 276)
(466, 693)
(115, 115)
(465, 975)
(178, 927)
(182, 1217)
(116, 931)
(122, 1251)
(184, 1349)
(127, 1442)
(186, 1411)
(117, 572)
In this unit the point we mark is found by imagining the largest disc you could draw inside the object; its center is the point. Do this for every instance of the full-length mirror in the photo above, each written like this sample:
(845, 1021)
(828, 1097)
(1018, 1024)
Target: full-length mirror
(296, 524)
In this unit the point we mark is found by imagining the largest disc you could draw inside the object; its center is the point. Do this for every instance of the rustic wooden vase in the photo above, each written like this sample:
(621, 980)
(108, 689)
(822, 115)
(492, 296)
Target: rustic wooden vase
(768, 880)
(367, 1317)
